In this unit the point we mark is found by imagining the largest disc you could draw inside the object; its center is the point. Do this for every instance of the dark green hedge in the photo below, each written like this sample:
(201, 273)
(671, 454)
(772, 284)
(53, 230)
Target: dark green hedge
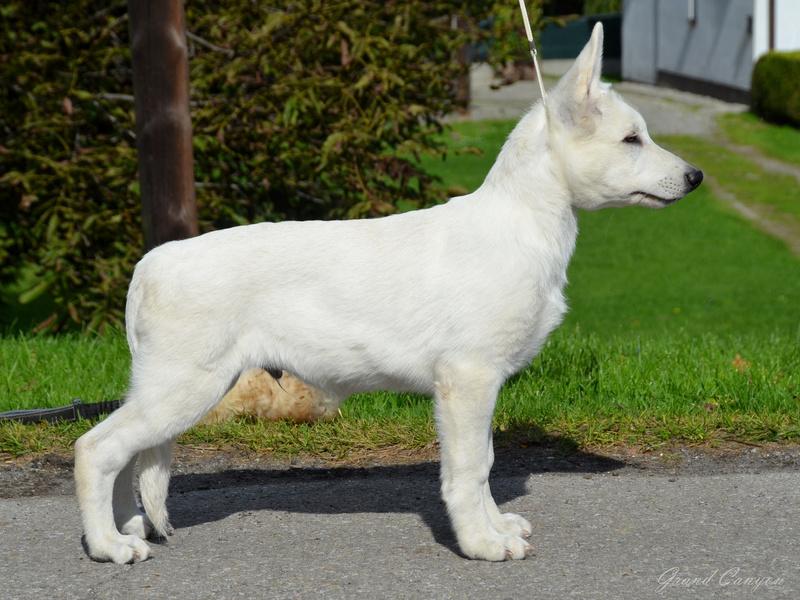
(301, 109)
(775, 89)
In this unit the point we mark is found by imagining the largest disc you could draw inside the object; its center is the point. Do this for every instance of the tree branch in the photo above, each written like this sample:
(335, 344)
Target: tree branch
(205, 43)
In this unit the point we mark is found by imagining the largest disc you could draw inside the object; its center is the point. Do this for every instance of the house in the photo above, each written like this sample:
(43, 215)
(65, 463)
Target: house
(705, 46)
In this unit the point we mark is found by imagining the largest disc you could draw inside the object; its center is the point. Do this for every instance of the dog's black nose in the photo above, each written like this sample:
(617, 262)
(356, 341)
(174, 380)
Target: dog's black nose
(693, 178)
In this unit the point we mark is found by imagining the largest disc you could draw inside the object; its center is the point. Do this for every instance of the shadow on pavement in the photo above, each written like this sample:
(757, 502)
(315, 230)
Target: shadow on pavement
(407, 488)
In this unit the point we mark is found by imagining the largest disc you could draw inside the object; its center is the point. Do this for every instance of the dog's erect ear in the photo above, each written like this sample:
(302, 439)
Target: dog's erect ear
(589, 64)
(576, 94)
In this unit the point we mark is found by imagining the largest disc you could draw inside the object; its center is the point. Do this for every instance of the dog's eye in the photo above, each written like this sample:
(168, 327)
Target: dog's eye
(632, 139)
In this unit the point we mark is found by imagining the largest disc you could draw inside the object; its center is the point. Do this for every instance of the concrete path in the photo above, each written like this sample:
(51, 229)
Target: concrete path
(666, 111)
(602, 529)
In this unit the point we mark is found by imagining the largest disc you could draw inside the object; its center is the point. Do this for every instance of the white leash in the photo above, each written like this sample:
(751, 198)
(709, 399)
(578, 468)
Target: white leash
(532, 46)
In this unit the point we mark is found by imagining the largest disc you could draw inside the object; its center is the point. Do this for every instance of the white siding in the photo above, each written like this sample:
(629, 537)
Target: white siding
(787, 25)
(760, 28)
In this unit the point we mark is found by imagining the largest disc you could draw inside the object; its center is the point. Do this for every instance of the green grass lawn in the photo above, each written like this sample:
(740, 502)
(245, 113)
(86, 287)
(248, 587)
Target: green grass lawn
(684, 326)
(777, 141)
(778, 193)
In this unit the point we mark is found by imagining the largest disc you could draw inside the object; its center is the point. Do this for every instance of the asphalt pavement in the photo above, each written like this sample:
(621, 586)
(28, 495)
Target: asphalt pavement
(602, 527)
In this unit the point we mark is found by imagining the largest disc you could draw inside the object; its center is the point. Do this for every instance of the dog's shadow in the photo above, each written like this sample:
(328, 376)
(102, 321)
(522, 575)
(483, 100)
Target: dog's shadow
(412, 488)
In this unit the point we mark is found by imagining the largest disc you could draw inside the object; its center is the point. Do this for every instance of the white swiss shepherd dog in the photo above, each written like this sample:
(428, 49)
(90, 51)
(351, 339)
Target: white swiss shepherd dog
(448, 301)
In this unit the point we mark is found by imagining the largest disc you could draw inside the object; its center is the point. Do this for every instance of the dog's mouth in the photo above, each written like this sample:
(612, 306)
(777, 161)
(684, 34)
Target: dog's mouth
(654, 198)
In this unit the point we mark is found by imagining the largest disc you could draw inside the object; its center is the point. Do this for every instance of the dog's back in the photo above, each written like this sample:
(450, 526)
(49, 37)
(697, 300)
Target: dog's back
(346, 305)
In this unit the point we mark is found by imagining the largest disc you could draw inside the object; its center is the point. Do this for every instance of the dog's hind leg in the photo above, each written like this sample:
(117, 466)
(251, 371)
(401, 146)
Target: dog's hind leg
(465, 399)
(159, 407)
(154, 485)
(101, 455)
(128, 516)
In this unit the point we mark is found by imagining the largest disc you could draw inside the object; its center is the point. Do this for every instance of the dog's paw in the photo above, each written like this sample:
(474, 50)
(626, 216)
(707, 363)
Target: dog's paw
(495, 547)
(138, 525)
(119, 549)
(511, 524)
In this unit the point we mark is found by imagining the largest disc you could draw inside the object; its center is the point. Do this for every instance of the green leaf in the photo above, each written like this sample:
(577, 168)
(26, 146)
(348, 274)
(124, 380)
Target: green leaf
(34, 292)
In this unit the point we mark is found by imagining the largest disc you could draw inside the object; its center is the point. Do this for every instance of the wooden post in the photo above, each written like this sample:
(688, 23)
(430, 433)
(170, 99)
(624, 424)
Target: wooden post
(163, 124)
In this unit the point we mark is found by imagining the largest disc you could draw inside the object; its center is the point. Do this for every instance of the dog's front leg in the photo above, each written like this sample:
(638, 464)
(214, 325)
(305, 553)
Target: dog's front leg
(465, 397)
(509, 523)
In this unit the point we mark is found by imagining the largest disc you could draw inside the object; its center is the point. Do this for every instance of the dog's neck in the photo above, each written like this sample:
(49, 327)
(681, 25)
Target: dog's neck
(525, 191)
(525, 171)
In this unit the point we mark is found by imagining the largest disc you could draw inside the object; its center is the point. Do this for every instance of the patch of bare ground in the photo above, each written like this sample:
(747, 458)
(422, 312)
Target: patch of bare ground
(779, 225)
(51, 473)
(772, 222)
(765, 162)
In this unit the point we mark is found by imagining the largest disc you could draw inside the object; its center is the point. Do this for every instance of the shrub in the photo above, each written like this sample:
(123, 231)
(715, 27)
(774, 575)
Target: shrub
(303, 109)
(775, 89)
(602, 7)
(69, 210)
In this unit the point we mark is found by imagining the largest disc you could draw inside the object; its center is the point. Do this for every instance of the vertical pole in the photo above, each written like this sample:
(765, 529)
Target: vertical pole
(163, 124)
(772, 24)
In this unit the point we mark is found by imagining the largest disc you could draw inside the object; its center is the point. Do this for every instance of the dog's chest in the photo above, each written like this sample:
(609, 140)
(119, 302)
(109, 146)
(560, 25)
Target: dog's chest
(525, 332)
(536, 304)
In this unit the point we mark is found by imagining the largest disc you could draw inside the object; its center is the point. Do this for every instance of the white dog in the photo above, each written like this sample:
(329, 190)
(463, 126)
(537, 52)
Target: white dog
(448, 301)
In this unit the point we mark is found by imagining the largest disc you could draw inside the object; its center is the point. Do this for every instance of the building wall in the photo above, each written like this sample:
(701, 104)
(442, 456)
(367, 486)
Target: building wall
(660, 42)
(787, 26)
(717, 48)
(639, 35)
(760, 28)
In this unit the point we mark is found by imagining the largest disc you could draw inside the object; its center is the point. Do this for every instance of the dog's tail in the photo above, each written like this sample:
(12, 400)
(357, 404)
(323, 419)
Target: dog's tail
(153, 485)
